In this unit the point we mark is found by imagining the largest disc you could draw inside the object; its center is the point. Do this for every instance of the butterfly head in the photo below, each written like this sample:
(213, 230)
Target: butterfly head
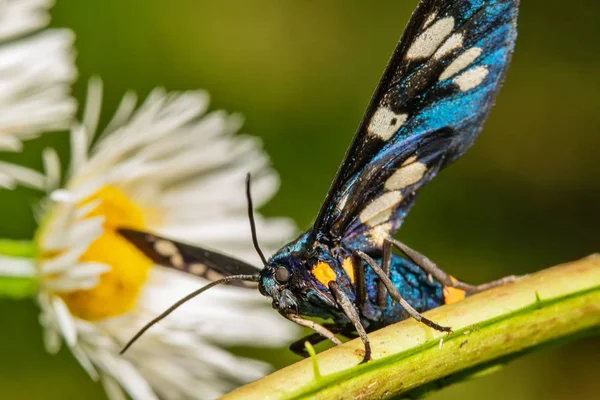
(283, 280)
(278, 283)
(288, 279)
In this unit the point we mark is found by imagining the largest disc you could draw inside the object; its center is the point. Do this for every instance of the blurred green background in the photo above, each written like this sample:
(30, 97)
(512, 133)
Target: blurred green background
(302, 72)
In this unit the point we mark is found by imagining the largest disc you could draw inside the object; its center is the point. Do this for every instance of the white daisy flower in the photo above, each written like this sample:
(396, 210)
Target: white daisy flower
(36, 71)
(171, 169)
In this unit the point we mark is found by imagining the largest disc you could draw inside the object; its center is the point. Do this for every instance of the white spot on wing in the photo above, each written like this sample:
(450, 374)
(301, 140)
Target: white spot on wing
(461, 62)
(427, 42)
(430, 19)
(380, 233)
(197, 269)
(177, 261)
(453, 42)
(472, 78)
(213, 275)
(380, 209)
(342, 203)
(409, 160)
(385, 123)
(406, 176)
(165, 248)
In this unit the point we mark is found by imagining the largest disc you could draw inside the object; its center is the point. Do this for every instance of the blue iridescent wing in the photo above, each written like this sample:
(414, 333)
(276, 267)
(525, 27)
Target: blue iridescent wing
(427, 110)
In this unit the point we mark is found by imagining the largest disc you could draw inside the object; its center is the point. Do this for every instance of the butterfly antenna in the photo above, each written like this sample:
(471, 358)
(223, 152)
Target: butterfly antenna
(251, 278)
(252, 223)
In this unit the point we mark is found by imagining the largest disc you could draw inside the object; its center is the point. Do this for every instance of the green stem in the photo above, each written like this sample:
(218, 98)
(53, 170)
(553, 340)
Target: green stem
(16, 287)
(17, 248)
(552, 306)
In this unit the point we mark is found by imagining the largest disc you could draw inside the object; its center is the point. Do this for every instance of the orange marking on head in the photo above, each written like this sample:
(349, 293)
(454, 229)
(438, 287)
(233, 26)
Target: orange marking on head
(349, 268)
(453, 295)
(324, 273)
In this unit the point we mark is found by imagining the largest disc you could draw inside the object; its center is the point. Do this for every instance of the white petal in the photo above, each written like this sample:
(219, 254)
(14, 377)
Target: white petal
(84, 210)
(226, 315)
(52, 169)
(52, 237)
(20, 17)
(85, 362)
(6, 182)
(34, 89)
(62, 196)
(123, 113)
(91, 113)
(127, 375)
(63, 261)
(86, 230)
(65, 321)
(62, 285)
(84, 270)
(79, 147)
(10, 143)
(23, 176)
(112, 388)
(52, 341)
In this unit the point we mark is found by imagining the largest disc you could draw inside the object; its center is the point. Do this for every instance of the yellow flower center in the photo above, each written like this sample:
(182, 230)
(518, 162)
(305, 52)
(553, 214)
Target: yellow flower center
(118, 289)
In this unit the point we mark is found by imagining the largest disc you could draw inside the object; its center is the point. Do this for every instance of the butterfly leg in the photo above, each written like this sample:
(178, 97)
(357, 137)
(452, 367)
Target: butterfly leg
(394, 294)
(320, 329)
(350, 310)
(299, 348)
(382, 292)
(359, 281)
(437, 273)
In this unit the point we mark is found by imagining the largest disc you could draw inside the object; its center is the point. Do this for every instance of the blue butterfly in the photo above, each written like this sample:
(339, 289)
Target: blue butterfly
(427, 110)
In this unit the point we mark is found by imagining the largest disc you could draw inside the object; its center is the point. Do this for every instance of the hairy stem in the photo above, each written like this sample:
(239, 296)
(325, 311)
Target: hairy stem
(552, 306)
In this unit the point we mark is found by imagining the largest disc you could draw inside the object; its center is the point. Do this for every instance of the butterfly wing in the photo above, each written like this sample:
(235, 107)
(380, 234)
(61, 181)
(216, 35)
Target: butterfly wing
(187, 258)
(428, 108)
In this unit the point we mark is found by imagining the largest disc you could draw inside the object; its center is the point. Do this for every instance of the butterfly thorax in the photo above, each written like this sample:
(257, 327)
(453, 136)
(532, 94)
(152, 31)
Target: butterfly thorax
(297, 279)
(298, 276)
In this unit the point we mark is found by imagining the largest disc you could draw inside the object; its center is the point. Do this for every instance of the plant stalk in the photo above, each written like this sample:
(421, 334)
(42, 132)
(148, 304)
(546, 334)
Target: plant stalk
(549, 307)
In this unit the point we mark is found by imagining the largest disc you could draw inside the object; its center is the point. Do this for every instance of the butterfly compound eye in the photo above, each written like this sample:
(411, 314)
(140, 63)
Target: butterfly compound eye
(282, 275)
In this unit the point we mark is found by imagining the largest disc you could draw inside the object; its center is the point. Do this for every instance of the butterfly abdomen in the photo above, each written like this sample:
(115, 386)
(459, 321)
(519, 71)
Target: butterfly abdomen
(413, 284)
